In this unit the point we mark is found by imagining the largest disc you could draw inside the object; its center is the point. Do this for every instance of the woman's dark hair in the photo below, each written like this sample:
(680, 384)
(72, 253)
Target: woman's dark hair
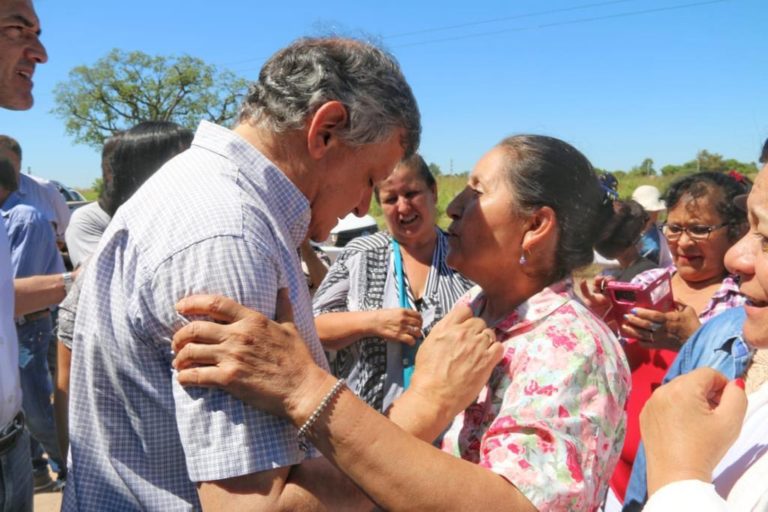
(417, 164)
(544, 171)
(623, 229)
(719, 187)
(107, 190)
(140, 152)
(764, 153)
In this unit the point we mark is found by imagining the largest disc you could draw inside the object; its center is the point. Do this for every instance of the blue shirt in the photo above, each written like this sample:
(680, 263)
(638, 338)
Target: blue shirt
(31, 193)
(219, 218)
(717, 344)
(33, 242)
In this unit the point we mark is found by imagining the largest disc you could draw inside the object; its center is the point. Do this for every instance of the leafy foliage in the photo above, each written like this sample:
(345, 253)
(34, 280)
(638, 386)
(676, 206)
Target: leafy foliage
(126, 88)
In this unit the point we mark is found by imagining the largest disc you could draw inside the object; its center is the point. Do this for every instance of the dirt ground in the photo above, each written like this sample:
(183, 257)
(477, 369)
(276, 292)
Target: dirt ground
(48, 501)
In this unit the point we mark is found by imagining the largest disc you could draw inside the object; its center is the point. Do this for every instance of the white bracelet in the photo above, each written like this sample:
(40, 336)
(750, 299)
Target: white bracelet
(304, 430)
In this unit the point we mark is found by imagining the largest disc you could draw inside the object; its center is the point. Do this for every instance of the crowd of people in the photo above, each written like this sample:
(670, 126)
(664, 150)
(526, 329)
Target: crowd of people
(197, 367)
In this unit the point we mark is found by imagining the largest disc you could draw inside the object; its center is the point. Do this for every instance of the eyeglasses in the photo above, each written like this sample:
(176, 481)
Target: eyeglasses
(675, 231)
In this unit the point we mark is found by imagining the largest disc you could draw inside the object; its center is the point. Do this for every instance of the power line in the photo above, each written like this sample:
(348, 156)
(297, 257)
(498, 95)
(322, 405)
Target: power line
(560, 23)
(505, 18)
(521, 29)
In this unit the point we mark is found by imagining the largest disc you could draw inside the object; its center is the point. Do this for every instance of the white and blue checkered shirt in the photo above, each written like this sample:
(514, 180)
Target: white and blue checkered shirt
(219, 218)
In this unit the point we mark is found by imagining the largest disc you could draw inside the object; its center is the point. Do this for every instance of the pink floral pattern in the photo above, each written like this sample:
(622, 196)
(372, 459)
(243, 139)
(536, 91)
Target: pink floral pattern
(551, 418)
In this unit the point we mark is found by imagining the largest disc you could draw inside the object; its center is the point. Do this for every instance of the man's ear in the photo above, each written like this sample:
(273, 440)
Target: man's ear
(542, 231)
(324, 128)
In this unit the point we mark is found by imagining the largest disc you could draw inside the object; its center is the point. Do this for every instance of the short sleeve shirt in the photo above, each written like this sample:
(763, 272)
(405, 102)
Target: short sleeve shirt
(551, 418)
(219, 218)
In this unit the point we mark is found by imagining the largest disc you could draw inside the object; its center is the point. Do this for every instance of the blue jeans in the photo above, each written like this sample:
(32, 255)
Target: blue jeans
(16, 477)
(34, 339)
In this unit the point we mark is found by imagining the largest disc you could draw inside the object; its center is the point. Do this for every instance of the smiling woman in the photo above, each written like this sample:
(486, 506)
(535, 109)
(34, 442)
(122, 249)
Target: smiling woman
(386, 291)
(702, 224)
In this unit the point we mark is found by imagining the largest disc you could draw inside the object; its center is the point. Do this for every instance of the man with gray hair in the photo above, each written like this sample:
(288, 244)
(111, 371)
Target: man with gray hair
(327, 118)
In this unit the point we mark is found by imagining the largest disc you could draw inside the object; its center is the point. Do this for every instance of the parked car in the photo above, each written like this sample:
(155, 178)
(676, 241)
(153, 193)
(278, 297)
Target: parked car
(348, 228)
(73, 198)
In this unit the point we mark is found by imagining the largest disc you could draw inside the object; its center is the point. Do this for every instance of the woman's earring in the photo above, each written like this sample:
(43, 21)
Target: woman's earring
(522, 259)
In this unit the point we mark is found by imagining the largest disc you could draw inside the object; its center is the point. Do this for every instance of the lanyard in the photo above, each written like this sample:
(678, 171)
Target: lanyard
(409, 353)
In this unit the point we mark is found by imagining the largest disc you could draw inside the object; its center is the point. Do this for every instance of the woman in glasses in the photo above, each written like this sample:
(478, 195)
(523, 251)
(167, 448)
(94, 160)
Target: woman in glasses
(703, 222)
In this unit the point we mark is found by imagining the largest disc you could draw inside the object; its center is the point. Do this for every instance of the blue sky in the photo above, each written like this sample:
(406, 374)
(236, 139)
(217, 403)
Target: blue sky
(622, 80)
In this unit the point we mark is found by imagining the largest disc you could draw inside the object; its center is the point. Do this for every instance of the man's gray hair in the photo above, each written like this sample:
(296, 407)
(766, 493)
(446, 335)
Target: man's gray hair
(300, 78)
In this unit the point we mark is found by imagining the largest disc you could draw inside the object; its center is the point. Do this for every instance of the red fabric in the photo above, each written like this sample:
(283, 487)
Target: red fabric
(648, 368)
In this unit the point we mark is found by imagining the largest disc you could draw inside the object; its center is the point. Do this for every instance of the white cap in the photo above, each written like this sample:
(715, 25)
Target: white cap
(649, 198)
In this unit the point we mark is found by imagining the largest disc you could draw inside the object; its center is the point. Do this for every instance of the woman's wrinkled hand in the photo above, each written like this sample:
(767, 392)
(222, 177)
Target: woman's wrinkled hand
(456, 360)
(689, 424)
(263, 362)
(399, 324)
(662, 330)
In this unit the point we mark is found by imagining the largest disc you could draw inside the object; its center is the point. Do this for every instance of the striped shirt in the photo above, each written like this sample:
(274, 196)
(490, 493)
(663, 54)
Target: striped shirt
(363, 279)
(219, 218)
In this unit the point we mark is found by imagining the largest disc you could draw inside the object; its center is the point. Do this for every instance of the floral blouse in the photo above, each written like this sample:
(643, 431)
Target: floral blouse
(551, 418)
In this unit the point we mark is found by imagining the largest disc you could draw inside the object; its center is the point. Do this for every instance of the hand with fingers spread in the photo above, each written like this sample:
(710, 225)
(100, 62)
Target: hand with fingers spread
(398, 324)
(662, 330)
(456, 360)
(263, 362)
(689, 424)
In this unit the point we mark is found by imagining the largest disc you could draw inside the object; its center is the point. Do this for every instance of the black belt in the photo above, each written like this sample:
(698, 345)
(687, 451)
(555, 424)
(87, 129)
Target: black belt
(11, 433)
(37, 315)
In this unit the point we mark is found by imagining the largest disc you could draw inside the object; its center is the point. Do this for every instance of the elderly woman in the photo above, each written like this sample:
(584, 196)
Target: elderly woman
(700, 429)
(547, 426)
(702, 224)
(386, 291)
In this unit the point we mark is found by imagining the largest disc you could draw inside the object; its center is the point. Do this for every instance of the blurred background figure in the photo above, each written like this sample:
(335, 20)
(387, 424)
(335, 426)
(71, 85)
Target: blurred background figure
(622, 239)
(90, 221)
(386, 291)
(652, 244)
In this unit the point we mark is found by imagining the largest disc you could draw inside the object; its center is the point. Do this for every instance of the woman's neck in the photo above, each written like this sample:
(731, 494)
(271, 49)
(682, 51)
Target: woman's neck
(699, 285)
(421, 250)
(499, 302)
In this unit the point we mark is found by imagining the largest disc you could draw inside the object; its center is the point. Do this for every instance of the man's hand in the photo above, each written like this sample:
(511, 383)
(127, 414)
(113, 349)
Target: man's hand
(263, 362)
(689, 424)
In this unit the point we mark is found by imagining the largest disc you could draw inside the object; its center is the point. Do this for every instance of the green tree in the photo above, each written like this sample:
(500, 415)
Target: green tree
(125, 88)
(710, 161)
(435, 170)
(97, 186)
(644, 169)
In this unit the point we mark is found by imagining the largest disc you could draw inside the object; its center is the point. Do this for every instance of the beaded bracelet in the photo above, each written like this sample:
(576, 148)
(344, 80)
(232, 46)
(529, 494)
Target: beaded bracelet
(304, 430)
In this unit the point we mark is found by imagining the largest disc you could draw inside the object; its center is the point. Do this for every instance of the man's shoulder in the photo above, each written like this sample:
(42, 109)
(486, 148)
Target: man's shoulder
(24, 215)
(89, 213)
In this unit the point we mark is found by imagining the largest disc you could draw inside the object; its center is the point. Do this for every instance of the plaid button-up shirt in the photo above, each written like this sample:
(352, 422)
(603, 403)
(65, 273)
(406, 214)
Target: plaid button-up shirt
(219, 218)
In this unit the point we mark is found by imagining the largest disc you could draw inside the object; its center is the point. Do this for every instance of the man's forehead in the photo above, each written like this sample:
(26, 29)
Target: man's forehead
(19, 10)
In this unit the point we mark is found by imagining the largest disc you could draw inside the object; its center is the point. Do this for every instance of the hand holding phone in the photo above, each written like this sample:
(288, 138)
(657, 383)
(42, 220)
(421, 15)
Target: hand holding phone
(656, 295)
